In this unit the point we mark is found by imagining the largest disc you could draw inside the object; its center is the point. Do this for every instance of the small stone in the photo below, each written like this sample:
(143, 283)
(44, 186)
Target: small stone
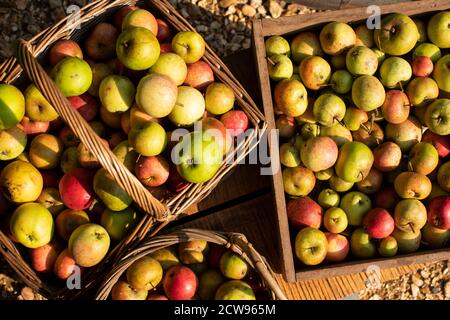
(375, 297)
(275, 9)
(447, 290)
(415, 290)
(227, 3)
(54, 3)
(425, 274)
(21, 4)
(417, 281)
(27, 294)
(247, 43)
(248, 11)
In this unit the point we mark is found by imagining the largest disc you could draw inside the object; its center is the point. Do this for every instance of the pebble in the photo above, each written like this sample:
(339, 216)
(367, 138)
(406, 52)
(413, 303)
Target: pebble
(275, 9)
(415, 290)
(249, 11)
(27, 293)
(227, 3)
(447, 290)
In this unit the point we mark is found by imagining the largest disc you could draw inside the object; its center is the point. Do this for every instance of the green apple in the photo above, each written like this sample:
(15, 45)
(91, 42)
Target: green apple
(197, 157)
(311, 246)
(427, 50)
(289, 155)
(422, 28)
(441, 73)
(315, 72)
(408, 242)
(368, 93)
(435, 237)
(209, 282)
(335, 220)
(89, 244)
(423, 158)
(233, 266)
(308, 131)
(338, 133)
(119, 223)
(277, 45)
(37, 107)
(137, 48)
(117, 93)
(388, 247)
(219, 98)
(438, 29)
(189, 107)
(338, 62)
(329, 109)
(235, 290)
(337, 37)
(12, 143)
(12, 106)
(167, 257)
(21, 182)
(189, 45)
(341, 81)
(156, 95)
(405, 134)
(305, 44)
(354, 161)
(110, 192)
(148, 138)
(410, 215)
(361, 60)
(355, 204)
(328, 198)
(380, 55)
(279, 67)
(437, 117)
(291, 97)
(354, 117)
(298, 181)
(339, 185)
(364, 36)
(397, 35)
(171, 65)
(73, 76)
(412, 185)
(32, 225)
(324, 175)
(394, 71)
(126, 154)
(361, 245)
(422, 91)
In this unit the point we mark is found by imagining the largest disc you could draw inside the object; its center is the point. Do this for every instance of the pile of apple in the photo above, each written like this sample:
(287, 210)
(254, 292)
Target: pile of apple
(364, 122)
(192, 270)
(139, 82)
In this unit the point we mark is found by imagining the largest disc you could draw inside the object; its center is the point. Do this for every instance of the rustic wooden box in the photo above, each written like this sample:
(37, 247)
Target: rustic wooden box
(287, 26)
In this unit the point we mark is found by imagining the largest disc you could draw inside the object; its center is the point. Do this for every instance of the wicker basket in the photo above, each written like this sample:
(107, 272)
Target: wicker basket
(235, 242)
(159, 213)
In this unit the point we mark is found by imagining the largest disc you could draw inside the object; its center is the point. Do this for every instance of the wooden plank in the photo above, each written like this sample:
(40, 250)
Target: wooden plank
(343, 4)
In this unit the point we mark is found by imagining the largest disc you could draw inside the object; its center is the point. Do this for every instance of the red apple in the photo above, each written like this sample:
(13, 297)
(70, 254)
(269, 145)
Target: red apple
(65, 265)
(86, 105)
(422, 66)
(338, 247)
(121, 14)
(164, 31)
(378, 223)
(76, 189)
(101, 43)
(176, 183)
(68, 137)
(215, 253)
(236, 121)
(43, 258)
(152, 171)
(180, 283)
(34, 127)
(216, 129)
(165, 47)
(439, 212)
(199, 75)
(304, 212)
(50, 178)
(116, 138)
(63, 49)
(386, 198)
(441, 143)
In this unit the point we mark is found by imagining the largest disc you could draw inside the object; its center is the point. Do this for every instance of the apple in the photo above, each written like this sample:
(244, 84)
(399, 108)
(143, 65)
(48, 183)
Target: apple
(197, 156)
(410, 215)
(397, 35)
(412, 185)
(62, 49)
(372, 183)
(315, 72)
(356, 205)
(378, 223)
(89, 244)
(43, 258)
(437, 116)
(304, 212)
(37, 108)
(338, 184)
(311, 246)
(45, 151)
(68, 138)
(156, 296)
(180, 283)
(50, 178)
(387, 156)
(361, 245)
(337, 248)
(405, 134)
(364, 36)
(193, 252)
(439, 212)
(422, 91)
(76, 189)
(64, 265)
(368, 93)
(423, 158)
(441, 73)
(117, 93)
(120, 15)
(354, 117)
(166, 48)
(216, 129)
(125, 154)
(305, 44)
(427, 50)
(189, 45)
(286, 126)
(31, 224)
(291, 97)
(438, 29)
(422, 66)
(443, 176)
(314, 158)
(435, 237)
(337, 37)
(99, 72)
(140, 18)
(189, 106)
(69, 159)
(152, 171)
(408, 242)
(51, 200)
(277, 45)
(12, 106)
(341, 82)
(329, 109)
(338, 62)
(328, 198)
(124, 291)
(396, 107)
(236, 122)
(361, 60)
(338, 133)
(68, 220)
(110, 192)
(72, 76)
(137, 48)
(219, 98)
(34, 127)
(148, 139)
(164, 31)
(388, 247)
(100, 44)
(12, 142)
(21, 182)
(86, 105)
(199, 75)
(167, 257)
(370, 133)
(235, 290)
(171, 65)
(441, 143)
(279, 67)
(298, 181)
(422, 28)
(354, 162)
(119, 224)
(335, 220)
(395, 71)
(157, 95)
(209, 282)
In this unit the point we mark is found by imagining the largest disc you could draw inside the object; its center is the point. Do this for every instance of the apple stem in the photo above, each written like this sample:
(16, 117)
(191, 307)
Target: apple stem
(412, 227)
(340, 122)
(271, 61)
(401, 86)
(365, 128)
(410, 166)
(179, 104)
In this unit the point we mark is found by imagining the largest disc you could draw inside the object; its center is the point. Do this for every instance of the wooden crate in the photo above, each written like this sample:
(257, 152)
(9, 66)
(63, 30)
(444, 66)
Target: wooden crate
(288, 26)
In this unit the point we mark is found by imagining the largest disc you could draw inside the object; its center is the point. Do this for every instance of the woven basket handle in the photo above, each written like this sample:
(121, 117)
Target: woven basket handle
(88, 137)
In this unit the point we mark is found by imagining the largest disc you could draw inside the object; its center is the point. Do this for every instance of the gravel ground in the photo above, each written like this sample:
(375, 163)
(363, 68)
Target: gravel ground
(225, 24)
